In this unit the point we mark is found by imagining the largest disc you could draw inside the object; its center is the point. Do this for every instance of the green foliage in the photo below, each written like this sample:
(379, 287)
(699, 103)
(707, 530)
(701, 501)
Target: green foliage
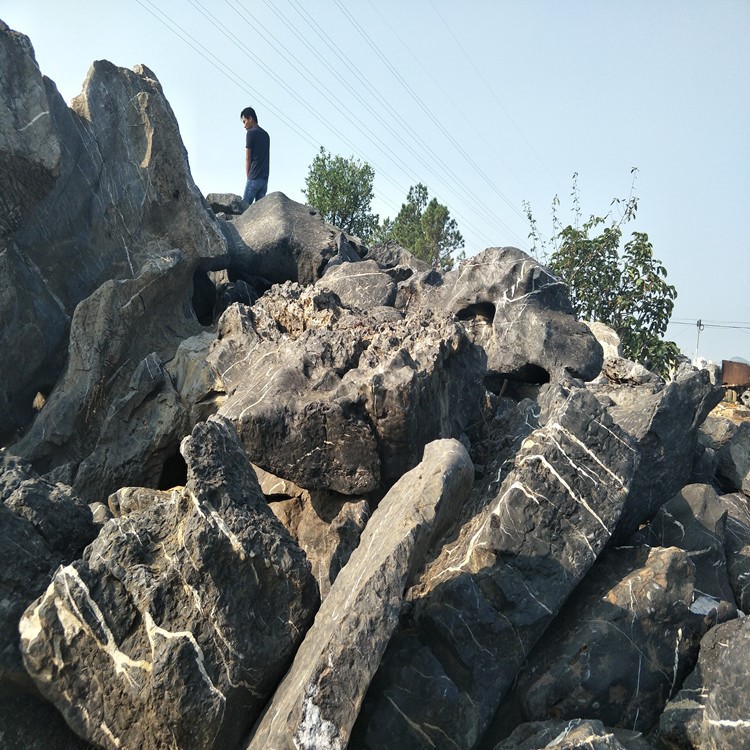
(625, 289)
(341, 191)
(425, 228)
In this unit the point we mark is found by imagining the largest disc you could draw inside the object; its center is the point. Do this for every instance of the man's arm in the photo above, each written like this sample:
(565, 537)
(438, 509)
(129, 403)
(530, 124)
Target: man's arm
(248, 154)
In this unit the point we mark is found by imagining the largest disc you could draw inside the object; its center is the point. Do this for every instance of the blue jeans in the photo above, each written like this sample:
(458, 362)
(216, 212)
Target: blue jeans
(255, 190)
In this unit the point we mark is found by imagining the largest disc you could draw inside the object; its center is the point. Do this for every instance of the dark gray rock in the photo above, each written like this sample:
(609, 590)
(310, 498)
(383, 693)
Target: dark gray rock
(695, 521)
(176, 626)
(711, 711)
(737, 543)
(623, 643)
(575, 734)
(122, 188)
(498, 582)
(227, 203)
(390, 255)
(317, 702)
(115, 382)
(42, 525)
(281, 240)
(521, 316)
(729, 444)
(361, 286)
(664, 421)
(323, 398)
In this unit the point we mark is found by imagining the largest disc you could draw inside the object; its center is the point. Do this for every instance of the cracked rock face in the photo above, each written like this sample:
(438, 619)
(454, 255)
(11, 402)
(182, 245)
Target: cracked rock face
(175, 626)
(487, 597)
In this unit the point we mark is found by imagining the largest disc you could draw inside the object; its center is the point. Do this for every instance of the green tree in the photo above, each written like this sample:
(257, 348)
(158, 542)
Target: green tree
(425, 228)
(625, 289)
(341, 191)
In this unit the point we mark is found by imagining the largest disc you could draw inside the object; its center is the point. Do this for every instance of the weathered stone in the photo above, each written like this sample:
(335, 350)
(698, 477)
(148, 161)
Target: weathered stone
(322, 398)
(576, 734)
(521, 316)
(115, 382)
(730, 444)
(623, 643)
(390, 255)
(124, 187)
(695, 521)
(663, 420)
(281, 240)
(326, 526)
(489, 594)
(737, 542)
(42, 525)
(361, 286)
(712, 709)
(317, 702)
(227, 203)
(177, 624)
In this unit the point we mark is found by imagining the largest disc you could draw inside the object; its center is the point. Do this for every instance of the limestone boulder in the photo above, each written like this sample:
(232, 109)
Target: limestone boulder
(624, 642)
(737, 546)
(110, 183)
(711, 709)
(181, 617)
(663, 420)
(578, 734)
(521, 316)
(499, 580)
(317, 702)
(362, 285)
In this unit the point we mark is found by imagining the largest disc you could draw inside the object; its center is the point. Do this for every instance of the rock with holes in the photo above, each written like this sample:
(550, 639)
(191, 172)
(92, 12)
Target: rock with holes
(108, 183)
(181, 617)
(521, 316)
(332, 400)
(498, 581)
(664, 422)
(712, 709)
(623, 643)
(317, 702)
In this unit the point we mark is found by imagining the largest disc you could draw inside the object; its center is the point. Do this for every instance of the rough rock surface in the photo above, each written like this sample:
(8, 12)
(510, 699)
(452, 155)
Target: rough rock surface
(326, 526)
(120, 187)
(137, 319)
(626, 637)
(487, 597)
(182, 615)
(712, 709)
(319, 698)
(576, 734)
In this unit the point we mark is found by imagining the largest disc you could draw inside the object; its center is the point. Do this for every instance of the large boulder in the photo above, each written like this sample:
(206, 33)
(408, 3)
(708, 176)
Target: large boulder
(521, 316)
(109, 184)
(663, 419)
(319, 698)
(711, 711)
(499, 580)
(181, 617)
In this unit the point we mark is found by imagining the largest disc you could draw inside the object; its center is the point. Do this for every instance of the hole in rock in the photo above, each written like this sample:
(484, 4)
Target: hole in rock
(481, 311)
(204, 297)
(173, 473)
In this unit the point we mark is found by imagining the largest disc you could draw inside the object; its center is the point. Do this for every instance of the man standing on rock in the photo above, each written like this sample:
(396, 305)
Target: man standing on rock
(257, 156)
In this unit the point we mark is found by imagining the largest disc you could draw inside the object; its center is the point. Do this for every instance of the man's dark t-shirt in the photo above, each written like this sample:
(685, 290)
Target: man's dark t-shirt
(259, 143)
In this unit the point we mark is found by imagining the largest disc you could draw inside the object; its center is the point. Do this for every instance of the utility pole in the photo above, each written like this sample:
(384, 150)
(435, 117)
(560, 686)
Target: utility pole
(700, 326)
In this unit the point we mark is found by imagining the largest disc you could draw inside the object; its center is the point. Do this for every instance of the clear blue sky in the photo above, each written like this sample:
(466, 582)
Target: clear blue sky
(489, 103)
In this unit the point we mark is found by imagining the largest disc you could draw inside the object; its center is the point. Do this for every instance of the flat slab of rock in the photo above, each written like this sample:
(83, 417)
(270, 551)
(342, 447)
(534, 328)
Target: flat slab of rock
(317, 702)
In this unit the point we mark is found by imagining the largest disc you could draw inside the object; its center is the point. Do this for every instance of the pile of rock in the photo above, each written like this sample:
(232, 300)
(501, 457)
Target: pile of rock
(288, 491)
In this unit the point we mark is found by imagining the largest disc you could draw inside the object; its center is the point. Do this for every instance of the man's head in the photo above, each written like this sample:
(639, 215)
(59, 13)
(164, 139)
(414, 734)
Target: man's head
(248, 117)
